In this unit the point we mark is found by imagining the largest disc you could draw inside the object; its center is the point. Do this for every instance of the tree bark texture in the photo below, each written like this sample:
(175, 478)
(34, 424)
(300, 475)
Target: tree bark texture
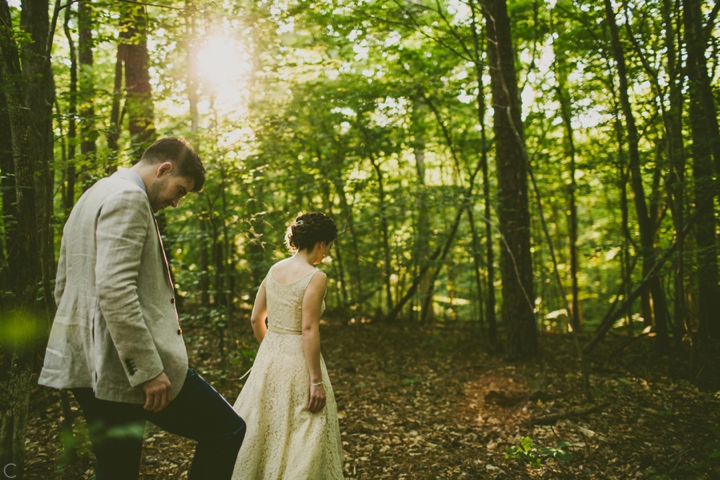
(26, 148)
(70, 171)
(39, 99)
(8, 244)
(477, 261)
(511, 158)
(696, 43)
(133, 40)
(29, 144)
(704, 133)
(113, 135)
(86, 81)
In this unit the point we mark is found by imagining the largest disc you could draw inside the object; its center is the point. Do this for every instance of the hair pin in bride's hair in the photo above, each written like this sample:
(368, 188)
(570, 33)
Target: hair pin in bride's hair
(299, 222)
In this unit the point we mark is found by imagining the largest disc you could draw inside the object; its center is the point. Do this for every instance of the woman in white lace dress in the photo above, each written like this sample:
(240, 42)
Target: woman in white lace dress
(287, 402)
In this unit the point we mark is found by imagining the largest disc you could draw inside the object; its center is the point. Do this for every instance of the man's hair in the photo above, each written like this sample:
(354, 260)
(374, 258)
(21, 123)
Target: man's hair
(184, 159)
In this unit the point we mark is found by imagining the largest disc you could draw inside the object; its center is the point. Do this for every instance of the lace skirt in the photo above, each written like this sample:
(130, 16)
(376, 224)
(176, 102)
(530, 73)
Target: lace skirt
(284, 440)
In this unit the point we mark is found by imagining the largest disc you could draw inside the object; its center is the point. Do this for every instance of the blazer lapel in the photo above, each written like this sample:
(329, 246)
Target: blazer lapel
(162, 251)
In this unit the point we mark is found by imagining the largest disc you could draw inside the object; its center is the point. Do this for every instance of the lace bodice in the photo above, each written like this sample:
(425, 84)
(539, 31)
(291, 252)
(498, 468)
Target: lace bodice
(284, 301)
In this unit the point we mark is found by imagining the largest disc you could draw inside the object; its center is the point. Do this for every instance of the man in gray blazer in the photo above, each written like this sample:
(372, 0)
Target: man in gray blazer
(116, 341)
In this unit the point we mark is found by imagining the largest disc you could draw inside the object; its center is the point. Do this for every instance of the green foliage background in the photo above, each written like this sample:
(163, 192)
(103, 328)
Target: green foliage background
(337, 91)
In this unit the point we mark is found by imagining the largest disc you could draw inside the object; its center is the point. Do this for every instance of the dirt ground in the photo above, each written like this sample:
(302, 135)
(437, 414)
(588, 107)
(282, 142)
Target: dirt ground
(427, 403)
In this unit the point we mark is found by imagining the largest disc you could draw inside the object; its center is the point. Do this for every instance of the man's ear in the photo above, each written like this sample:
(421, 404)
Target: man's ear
(163, 169)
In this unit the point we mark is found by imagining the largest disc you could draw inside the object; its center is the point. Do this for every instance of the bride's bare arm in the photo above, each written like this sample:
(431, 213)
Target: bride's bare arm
(259, 312)
(311, 309)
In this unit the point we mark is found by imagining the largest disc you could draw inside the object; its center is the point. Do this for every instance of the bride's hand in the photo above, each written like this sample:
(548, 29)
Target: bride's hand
(317, 398)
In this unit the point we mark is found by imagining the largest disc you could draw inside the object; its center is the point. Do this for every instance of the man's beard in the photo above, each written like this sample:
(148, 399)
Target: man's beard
(154, 195)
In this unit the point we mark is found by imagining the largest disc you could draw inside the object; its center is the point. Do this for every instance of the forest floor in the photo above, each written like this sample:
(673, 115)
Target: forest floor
(428, 403)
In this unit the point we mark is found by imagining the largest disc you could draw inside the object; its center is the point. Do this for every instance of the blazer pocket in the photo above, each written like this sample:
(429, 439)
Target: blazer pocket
(106, 361)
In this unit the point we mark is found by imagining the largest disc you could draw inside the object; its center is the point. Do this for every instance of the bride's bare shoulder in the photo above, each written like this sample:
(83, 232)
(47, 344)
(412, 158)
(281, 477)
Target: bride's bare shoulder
(289, 270)
(281, 263)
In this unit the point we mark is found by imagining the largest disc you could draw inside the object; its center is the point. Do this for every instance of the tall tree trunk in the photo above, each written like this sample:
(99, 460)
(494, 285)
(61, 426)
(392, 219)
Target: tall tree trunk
(204, 282)
(69, 187)
(29, 146)
(479, 68)
(86, 81)
(623, 174)
(422, 238)
(230, 267)
(255, 249)
(566, 113)
(516, 266)
(192, 76)
(341, 274)
(704, 135)
(626, 269)
(220, 263)
(477, 260)
(338, 262)
(490, 280)
(384, 230)
(676, 160)
(8, 244)
(355, 272)
(39, 99)
(137, 79)
(645, 222)
(113, 135)
(228, 242)
(696, 42)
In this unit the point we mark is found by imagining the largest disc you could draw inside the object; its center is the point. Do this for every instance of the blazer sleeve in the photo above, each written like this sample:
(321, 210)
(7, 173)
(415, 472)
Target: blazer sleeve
(121, 233)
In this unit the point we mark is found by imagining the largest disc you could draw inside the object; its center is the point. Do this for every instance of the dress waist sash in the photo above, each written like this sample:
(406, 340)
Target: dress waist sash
(284, 331)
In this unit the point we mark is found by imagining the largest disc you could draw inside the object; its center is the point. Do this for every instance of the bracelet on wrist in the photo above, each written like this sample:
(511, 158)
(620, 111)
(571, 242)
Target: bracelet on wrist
(317, 384)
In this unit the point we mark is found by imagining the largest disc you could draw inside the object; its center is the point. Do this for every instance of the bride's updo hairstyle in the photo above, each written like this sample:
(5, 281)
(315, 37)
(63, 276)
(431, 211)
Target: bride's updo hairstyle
(308, 229)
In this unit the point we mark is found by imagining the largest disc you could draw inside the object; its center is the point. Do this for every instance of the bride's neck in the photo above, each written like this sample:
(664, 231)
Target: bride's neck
(306, 256)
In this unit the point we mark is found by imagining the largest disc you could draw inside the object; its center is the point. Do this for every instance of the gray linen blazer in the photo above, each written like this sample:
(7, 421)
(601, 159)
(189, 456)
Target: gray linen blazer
(116, 325)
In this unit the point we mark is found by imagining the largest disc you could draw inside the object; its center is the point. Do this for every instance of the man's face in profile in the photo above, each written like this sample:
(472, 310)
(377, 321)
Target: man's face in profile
(167, 189)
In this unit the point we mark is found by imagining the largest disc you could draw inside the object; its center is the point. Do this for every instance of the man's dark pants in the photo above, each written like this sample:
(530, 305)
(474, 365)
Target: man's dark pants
(198, 412)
